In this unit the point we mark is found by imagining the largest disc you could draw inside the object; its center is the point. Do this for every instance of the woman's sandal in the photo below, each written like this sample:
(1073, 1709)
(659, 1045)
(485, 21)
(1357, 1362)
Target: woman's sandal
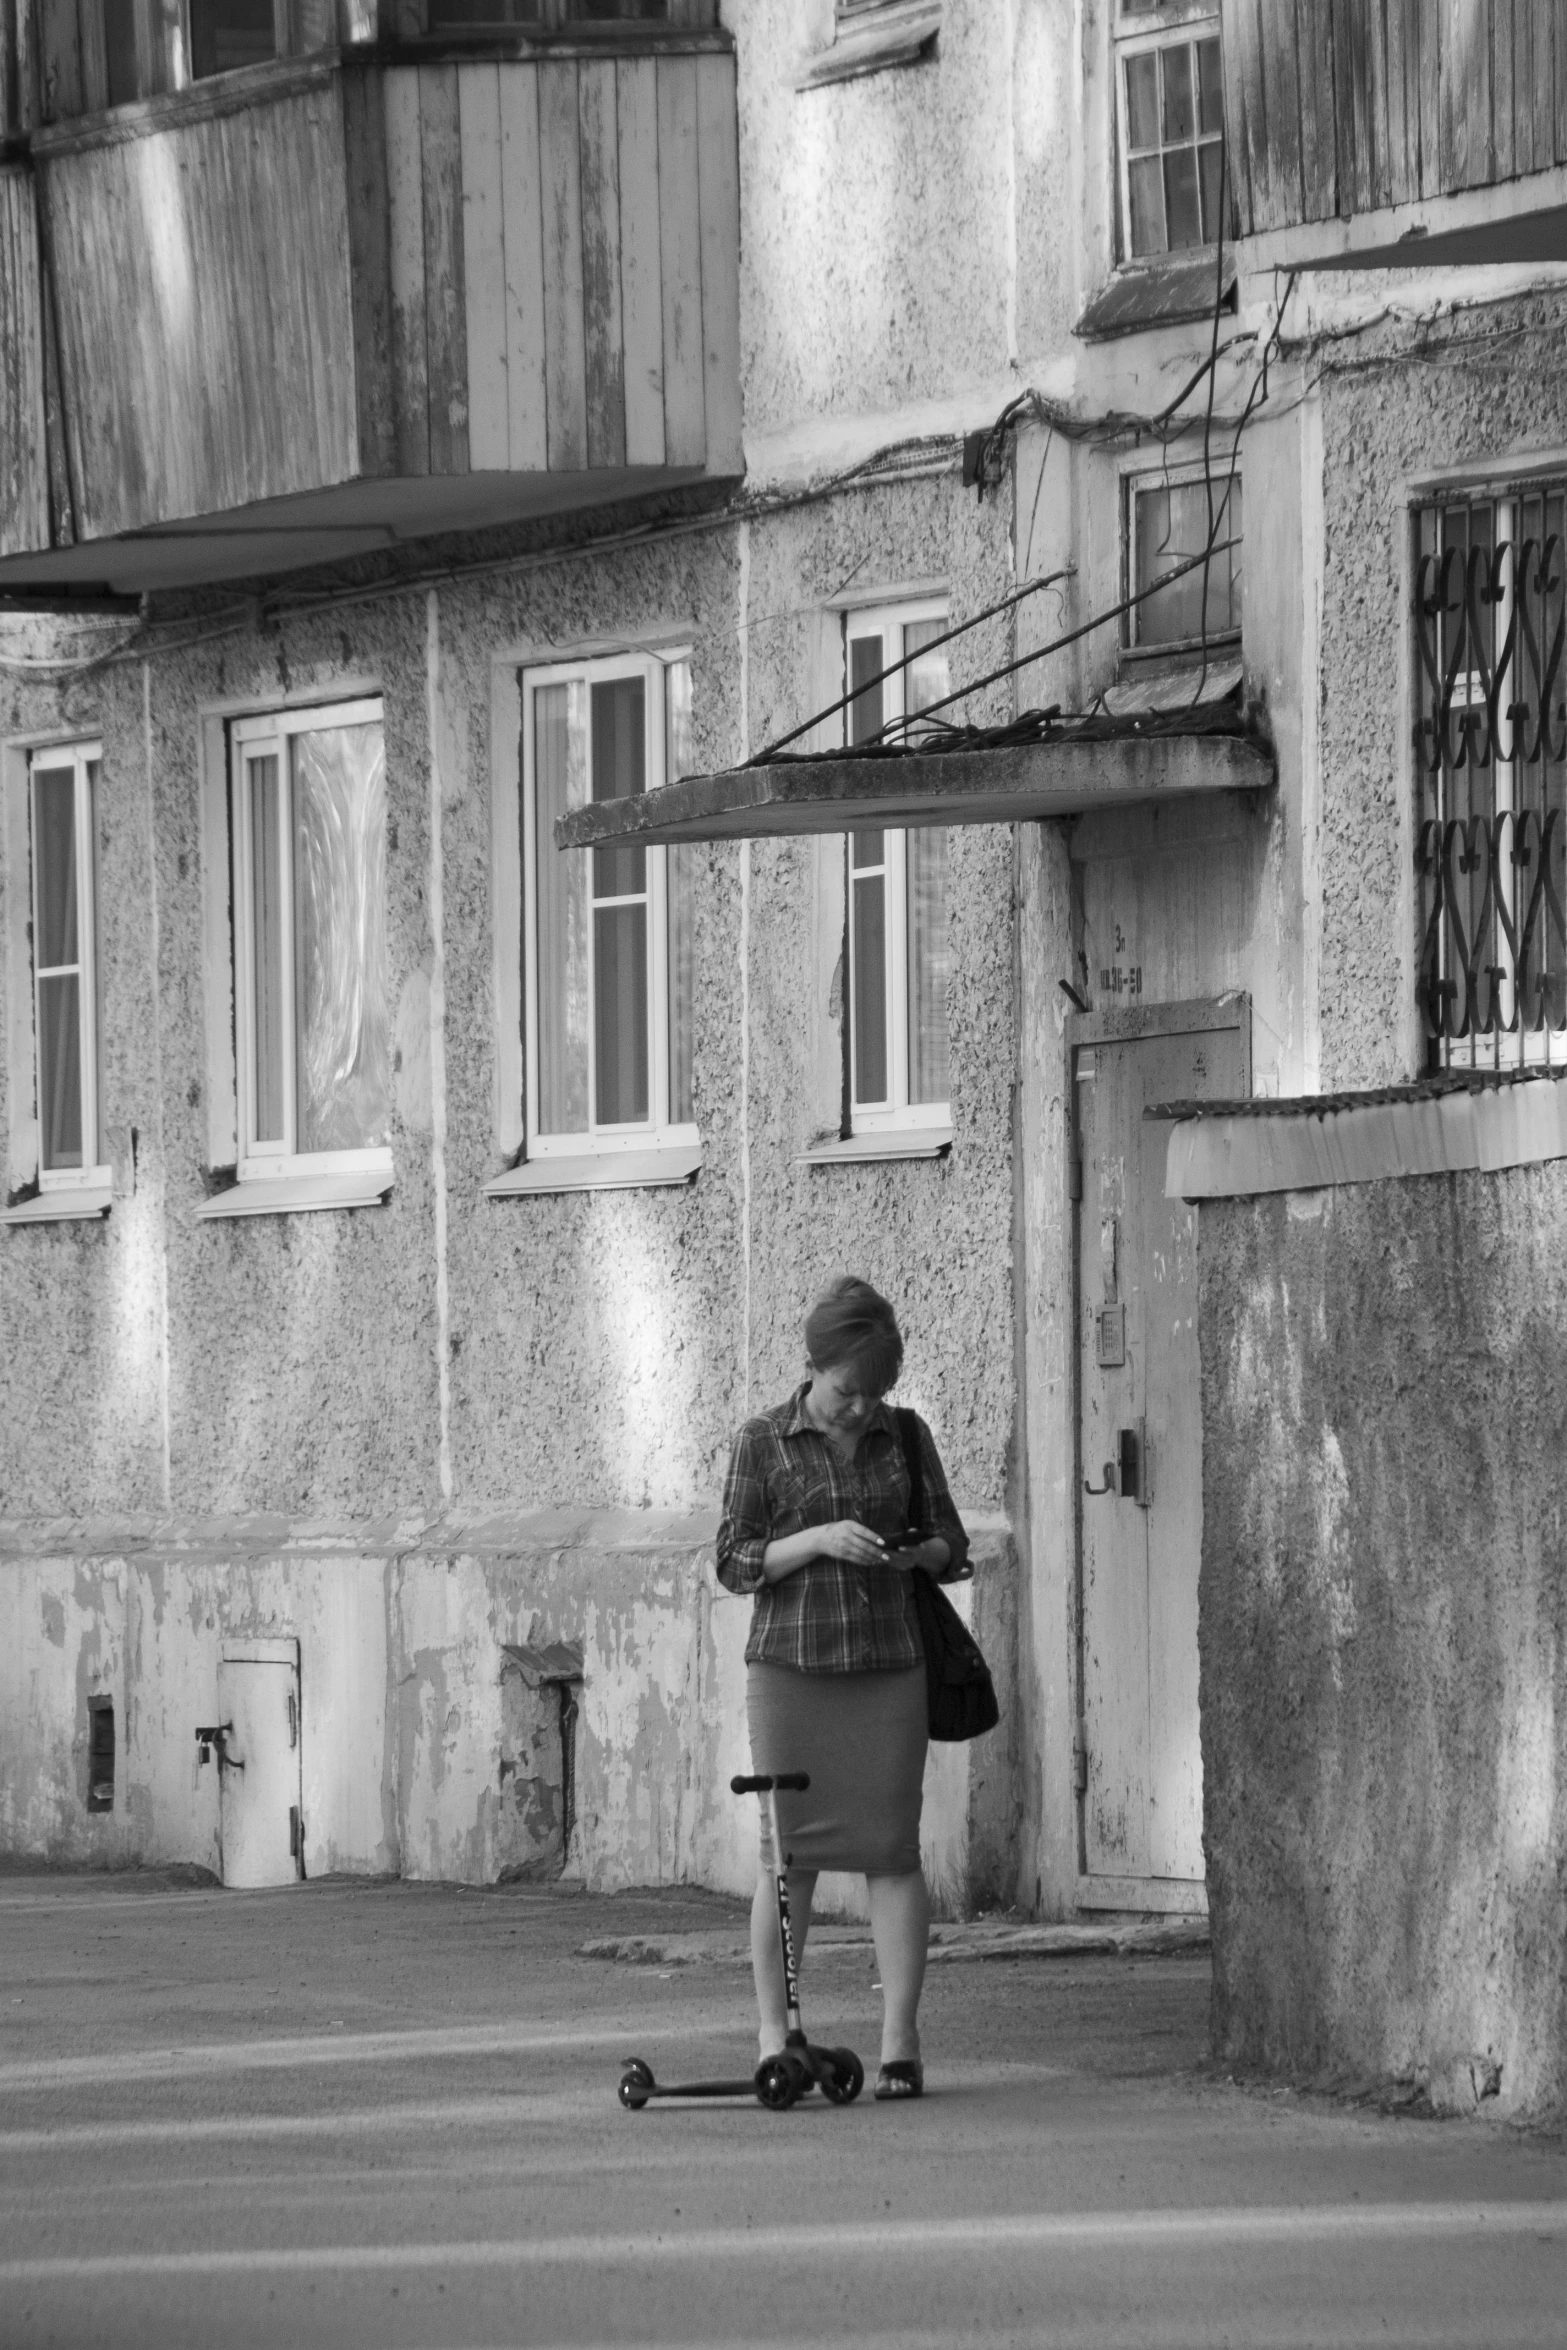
(905, 2078)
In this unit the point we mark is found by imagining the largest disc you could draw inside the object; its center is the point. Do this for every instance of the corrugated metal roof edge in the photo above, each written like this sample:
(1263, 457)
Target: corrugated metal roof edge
(1322, 1105)
(1469, 1122)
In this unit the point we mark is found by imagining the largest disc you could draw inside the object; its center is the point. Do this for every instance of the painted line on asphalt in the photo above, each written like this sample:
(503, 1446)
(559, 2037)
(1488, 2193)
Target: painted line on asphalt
(615, 2033)
(1123, 2231)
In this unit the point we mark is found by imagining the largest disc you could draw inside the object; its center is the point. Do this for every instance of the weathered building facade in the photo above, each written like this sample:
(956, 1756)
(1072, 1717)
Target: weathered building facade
(435, 1200)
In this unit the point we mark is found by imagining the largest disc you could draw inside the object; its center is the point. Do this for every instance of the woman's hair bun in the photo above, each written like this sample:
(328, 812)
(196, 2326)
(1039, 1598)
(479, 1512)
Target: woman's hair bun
(853, 1323)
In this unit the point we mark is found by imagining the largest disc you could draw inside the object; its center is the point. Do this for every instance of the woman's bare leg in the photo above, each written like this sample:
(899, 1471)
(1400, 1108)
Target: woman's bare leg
(766, 1955)
(900, 1923)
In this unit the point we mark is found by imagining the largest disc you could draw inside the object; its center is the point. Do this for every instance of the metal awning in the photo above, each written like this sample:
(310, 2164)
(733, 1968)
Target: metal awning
(1072, 769)
(1524, 239)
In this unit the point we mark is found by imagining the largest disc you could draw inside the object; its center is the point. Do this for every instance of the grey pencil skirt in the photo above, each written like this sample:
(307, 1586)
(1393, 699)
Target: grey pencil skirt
(862, 1737)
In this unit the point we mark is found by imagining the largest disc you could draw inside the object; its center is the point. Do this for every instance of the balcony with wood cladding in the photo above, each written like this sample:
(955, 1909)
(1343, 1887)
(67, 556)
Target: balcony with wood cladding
(1408, 134)
(308, 309)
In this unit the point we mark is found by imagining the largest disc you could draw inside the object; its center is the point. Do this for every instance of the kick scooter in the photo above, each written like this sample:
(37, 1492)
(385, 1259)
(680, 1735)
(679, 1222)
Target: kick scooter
(778, 2080)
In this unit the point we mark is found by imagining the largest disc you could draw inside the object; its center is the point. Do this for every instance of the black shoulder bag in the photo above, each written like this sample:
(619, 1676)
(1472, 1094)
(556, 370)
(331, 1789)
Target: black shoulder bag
(960, 1695)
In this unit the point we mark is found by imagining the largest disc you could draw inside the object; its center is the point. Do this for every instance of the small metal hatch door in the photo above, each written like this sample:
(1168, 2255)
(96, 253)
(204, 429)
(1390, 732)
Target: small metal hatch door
(260, 1826)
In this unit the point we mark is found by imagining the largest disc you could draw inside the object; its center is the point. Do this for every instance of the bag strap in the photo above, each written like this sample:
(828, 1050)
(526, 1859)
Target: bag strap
(909, 1437)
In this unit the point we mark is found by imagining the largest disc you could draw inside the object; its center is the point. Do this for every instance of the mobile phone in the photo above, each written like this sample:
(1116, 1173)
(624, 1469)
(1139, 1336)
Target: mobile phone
(907, 1540)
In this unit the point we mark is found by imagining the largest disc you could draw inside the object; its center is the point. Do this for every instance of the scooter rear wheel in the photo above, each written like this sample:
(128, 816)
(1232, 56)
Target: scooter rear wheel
(847, 2078)
(635, 2084)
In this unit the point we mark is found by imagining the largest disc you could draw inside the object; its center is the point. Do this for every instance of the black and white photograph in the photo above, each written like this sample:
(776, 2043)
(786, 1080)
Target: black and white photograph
(783, 1248)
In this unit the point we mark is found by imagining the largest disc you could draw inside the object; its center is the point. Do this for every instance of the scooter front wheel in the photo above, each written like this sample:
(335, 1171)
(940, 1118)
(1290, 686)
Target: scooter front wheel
(777, 2083)
(846, 2080)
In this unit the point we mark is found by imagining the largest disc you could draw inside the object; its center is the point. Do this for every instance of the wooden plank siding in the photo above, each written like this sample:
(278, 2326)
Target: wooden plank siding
(205, 312)
(1340, 107)
(24, 462)
(381, 272)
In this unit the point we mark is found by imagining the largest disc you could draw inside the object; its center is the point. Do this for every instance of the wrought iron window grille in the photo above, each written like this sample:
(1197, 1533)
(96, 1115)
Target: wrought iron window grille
(1490, 742)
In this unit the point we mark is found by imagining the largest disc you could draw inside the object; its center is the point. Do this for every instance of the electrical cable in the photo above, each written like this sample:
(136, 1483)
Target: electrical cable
(1007, 603)
(919, 718)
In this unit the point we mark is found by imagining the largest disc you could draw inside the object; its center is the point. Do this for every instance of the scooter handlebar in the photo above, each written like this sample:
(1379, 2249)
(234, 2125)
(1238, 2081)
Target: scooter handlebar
(762, 1786)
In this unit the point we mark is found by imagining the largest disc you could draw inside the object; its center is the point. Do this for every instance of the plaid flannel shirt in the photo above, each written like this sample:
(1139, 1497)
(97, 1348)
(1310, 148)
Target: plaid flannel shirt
(828, 1617)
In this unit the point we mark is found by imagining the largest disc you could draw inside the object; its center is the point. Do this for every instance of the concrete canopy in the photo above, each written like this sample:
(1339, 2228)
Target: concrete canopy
(1100, 764)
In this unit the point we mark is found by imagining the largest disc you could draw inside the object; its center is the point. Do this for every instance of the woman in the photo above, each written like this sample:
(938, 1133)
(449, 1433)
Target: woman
(836, 1674)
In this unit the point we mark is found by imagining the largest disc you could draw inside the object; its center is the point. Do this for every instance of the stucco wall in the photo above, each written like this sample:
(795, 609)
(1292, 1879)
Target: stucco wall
(1384, 1632)
(876, 263)
(1486, 391)
(601, 1348)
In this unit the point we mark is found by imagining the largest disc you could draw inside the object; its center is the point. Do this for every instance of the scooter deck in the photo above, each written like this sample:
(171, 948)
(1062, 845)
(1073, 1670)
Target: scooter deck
(705, 2088)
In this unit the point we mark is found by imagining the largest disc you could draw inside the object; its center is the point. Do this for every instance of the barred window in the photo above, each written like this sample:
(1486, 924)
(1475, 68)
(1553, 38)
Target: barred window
(1491, 776)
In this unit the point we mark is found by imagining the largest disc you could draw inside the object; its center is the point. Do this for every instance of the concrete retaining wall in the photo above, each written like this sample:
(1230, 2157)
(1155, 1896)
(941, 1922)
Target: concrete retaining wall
(401, 1632)
(1384, 1633)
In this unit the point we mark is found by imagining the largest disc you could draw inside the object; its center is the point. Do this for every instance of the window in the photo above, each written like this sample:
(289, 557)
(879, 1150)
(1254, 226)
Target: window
(1171, 517)
(898, 960)
(448, 15)
(1491, 776)
(1170, 128)
(608, 941)
(308, 831)
(62, 795)
(225, 34)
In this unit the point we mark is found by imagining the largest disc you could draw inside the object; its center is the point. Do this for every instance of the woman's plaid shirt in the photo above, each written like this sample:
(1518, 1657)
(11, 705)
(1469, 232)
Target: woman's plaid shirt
(828, 1617)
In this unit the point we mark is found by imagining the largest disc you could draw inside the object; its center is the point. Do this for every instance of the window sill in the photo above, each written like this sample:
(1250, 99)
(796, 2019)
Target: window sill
(893, 1142)
(1170, 289)
(900, 36)
(1178, 686)
(294, 1195)
(70, 1202)
(663, 1165)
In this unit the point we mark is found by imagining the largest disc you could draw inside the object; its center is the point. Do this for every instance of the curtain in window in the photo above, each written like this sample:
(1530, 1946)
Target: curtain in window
(680, 871)
(868, 981)
(620, 911)
(929, 964)
(925, 868)
(57, 963)
(868, 890)
(342, 1016)
(267, 946)
(560, 759)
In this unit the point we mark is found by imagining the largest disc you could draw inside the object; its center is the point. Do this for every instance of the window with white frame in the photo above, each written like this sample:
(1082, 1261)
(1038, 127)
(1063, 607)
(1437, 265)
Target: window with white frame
(1169, 126)
(898, 958)
(62, 797)
(312, 1016)
(608, 941)
(1170, 518)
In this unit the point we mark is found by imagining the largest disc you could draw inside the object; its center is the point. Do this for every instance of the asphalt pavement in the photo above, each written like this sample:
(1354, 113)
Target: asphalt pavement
(385, 2114)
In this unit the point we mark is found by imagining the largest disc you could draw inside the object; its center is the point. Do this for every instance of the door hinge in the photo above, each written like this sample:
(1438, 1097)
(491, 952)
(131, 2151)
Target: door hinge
(1080, 1761)
(1074, 1175)
(293, 1720)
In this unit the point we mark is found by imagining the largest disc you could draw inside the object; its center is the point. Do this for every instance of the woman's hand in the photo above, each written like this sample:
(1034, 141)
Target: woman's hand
(855, 1544)
(845, 1539)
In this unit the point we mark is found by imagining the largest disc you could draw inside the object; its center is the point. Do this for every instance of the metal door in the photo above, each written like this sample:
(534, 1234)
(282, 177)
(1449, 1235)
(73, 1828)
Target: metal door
(1140, 1450)
(259, 1811)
